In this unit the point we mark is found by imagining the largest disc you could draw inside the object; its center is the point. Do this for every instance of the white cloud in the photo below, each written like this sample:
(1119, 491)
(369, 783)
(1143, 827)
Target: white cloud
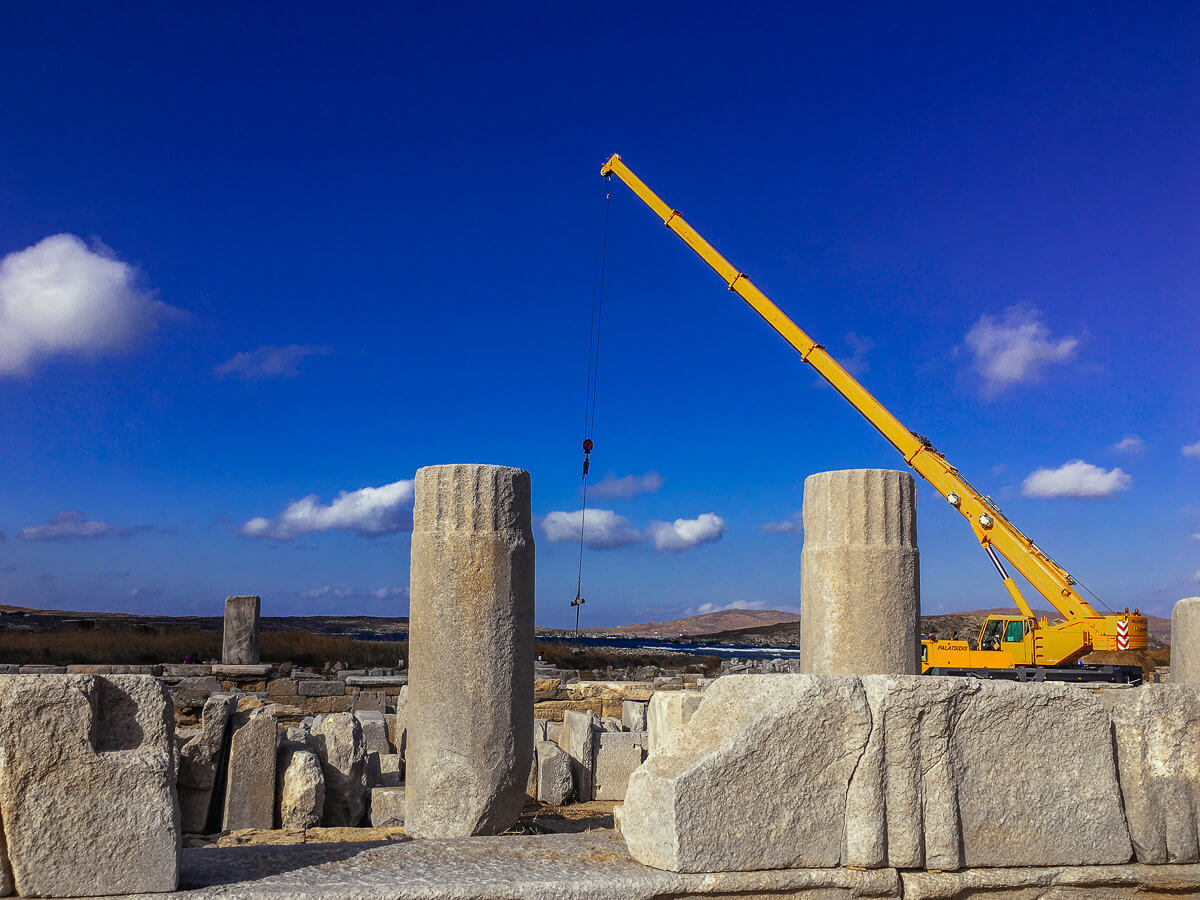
(1196, 537)
(1075, 479)
(327, 590)
(719, 607)
(683, 534)
(1191, 449)
(389, 593)
(1131, 443)
(856, 364)
(603, 528)
(792, 524)
(1016, 348)
(269, 361)
(627, 486)
(71, 525)
(59, 297)
(369, 511)
(1196, 575)
(342, 593)
(739, 604)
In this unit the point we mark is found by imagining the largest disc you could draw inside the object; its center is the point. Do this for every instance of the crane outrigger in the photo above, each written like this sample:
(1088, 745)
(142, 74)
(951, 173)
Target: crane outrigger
(1023, 647)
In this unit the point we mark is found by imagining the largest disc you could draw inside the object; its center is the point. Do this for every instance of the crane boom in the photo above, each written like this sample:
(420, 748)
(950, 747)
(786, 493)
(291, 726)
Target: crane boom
(991, 527)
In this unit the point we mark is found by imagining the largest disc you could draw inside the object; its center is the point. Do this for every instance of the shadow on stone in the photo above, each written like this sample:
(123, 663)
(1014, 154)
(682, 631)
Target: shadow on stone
(115, 725)
(217, 866)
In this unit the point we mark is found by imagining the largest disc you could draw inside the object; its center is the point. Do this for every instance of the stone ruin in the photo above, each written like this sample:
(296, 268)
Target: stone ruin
(853, 778)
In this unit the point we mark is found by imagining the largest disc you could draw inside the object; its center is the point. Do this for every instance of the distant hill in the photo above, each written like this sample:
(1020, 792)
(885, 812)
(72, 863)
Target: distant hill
(956, 625)
(703, 624)
(26, 618)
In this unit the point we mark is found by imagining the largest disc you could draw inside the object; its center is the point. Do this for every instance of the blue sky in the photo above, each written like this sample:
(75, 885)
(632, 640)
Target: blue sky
(258, 254)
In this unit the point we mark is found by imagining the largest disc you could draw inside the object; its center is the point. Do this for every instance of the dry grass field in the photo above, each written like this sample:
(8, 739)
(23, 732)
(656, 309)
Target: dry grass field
(141, 646)
(97, 647)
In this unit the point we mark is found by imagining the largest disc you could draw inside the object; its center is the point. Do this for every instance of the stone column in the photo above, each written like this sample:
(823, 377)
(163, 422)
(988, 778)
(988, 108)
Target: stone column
(470, 689)
(860, 588)
(239, 642)
(1185, 641)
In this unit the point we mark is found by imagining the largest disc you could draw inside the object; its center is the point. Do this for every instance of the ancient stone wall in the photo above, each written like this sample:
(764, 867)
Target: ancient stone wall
(918, 772)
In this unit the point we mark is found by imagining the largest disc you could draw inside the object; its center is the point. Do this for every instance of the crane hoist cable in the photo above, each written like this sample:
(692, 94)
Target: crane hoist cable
(589, 400)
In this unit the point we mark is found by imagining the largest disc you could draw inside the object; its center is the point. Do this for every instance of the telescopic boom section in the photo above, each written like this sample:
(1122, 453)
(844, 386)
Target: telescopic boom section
(990, 526)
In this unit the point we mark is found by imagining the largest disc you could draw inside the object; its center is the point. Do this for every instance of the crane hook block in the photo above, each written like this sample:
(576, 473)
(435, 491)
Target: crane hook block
(587, 445)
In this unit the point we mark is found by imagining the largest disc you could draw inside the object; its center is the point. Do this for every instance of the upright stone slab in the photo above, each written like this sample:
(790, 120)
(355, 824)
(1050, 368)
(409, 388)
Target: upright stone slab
(338, 742)
(1157, 730)
(860, 574)
(300, 791)
(555, 783)
(617, 755)
(633, 715)
(198, 760)
(239, 642)
(375, 732)
(1185, 641)
(578, 739)
(397, 722)
(387, 807)
(944, 782)
(756, 780)
(87, 785)
(667, 711)
(470, 690)
(250, 777)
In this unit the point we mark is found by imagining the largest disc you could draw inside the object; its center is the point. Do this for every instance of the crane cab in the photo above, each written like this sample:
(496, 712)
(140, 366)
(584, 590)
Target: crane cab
(1003, 642)
(1009, 634)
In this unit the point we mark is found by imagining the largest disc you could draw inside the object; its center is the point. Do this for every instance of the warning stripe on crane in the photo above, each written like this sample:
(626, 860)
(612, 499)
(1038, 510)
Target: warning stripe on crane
(996, 561)
(1122, 634)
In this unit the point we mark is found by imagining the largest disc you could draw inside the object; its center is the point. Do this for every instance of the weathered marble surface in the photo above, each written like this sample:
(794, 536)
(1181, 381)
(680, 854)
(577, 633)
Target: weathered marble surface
(87, 784)
(589, 866)
(239, 640)
(860, 574)
(470, 693)
(594, 866)
(781, 771)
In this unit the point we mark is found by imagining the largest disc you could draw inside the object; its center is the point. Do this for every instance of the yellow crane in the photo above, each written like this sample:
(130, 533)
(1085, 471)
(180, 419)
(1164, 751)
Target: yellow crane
(1023, 647)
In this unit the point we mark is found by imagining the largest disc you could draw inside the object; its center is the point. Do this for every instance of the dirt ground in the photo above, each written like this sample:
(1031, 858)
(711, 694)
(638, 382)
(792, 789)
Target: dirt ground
(538, 818)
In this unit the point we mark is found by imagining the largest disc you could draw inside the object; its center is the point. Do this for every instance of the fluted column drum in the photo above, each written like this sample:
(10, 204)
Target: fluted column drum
(860, 577)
